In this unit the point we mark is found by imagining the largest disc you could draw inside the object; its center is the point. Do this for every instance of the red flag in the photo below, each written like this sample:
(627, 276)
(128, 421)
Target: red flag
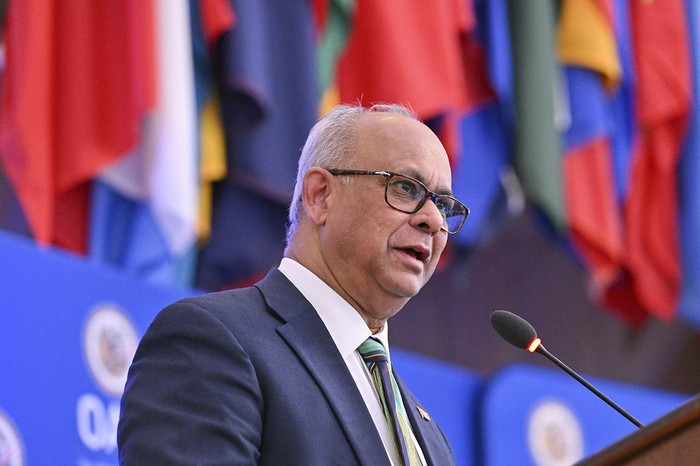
(412, 54)
(590, 204)
(662, 57)
(408, 54)
(79, 78)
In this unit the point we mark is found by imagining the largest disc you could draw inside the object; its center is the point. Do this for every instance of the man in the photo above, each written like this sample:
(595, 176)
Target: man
(272, 374)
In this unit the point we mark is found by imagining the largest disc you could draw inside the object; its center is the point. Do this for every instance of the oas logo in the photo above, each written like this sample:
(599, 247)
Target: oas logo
(11, 447)
(109, 341)
(554, 435)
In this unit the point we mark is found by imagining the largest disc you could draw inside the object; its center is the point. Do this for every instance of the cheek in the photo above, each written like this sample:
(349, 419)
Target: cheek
(368, 222)
(440, 243)
(357, 232)
(438, 247)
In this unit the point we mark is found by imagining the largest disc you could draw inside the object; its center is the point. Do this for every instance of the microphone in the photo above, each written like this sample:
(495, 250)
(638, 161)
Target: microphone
(518, 332)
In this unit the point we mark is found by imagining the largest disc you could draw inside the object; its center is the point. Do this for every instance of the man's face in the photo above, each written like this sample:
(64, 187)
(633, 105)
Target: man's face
(379, 256)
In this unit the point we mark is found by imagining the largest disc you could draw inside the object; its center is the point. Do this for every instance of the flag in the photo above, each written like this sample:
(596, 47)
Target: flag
(158, 180)
(411, 55)
(663, 97)
(629, 107)
(486, 127)
(210, 19)
(537, 158)
(12, 217)
(332, 19)
(433, 58)
(79, 80)
(587, 48)
(270, 101)
(689, 192)
(586, 38)
(606, 118)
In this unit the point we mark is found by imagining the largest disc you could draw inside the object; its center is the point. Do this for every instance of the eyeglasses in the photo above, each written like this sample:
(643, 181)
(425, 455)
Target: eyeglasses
(408, 195)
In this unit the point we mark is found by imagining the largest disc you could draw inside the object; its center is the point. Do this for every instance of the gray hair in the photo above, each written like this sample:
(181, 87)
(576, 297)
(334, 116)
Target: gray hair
(330, 144)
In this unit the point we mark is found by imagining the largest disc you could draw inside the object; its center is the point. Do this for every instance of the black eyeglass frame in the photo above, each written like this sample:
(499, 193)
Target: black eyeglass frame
(428, 193)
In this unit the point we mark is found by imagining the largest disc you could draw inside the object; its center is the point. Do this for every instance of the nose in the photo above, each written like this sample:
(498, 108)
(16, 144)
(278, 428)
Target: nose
(428, 218)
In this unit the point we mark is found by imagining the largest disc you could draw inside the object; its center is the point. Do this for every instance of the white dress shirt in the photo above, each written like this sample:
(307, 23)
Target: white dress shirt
(348, 330)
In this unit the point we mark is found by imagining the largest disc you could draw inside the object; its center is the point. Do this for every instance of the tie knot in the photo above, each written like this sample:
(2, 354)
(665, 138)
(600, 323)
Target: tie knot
(372, 351)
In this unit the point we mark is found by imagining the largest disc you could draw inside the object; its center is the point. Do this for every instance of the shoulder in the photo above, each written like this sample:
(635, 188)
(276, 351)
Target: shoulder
(237, 304)
(221, 306)
(246, 313)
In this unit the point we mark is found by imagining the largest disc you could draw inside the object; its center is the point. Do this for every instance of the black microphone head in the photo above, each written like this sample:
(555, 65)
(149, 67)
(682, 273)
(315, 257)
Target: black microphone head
(513, 329)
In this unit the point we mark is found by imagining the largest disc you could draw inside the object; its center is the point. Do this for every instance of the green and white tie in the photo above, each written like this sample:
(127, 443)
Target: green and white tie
(374, 355)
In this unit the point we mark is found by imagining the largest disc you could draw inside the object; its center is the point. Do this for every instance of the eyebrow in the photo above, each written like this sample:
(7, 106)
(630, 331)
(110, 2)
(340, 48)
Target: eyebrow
(419, 176)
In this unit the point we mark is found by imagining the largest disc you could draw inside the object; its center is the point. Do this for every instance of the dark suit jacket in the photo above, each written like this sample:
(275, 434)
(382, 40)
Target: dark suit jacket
(251, 376)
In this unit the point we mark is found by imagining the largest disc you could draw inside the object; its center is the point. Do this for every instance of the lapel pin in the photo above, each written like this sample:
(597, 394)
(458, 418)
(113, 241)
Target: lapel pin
(423, 413)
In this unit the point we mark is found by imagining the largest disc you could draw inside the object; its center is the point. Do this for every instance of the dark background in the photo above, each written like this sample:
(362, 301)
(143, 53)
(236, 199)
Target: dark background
(522, 270)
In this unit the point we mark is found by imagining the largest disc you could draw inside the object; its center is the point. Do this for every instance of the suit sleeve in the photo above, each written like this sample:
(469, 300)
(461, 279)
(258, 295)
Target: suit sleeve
(192, 395)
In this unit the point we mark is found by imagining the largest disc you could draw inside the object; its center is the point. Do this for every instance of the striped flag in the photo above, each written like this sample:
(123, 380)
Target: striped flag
(587, 48)
(78, 83)
(159, 179)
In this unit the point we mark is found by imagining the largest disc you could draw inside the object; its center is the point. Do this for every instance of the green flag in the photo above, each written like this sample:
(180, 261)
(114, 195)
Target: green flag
(537, 157)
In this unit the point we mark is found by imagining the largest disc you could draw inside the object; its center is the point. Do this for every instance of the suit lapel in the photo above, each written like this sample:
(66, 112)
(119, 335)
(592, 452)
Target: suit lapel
(431, 439)
(306, 334)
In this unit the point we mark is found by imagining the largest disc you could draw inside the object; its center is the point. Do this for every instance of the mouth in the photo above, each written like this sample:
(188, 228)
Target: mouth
(420, 253)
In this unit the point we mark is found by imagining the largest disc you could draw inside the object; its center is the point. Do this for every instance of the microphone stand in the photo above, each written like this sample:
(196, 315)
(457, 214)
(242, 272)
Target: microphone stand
(541, 349)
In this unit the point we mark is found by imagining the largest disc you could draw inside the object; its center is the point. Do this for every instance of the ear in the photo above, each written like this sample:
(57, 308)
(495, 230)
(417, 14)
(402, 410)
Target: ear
(315, 193)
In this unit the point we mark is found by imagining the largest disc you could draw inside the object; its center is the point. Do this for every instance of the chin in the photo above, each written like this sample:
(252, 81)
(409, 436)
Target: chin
(408, 288)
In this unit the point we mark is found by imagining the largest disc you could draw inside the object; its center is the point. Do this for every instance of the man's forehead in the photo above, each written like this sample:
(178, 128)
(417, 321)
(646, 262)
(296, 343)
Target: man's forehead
(383, 122)
(419, 155)
(395, 132)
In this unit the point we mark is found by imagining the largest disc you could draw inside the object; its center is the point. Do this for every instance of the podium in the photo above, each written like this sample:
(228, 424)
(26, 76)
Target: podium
(671, 439)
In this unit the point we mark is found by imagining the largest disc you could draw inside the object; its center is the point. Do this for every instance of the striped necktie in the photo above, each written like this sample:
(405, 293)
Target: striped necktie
(372, 352)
